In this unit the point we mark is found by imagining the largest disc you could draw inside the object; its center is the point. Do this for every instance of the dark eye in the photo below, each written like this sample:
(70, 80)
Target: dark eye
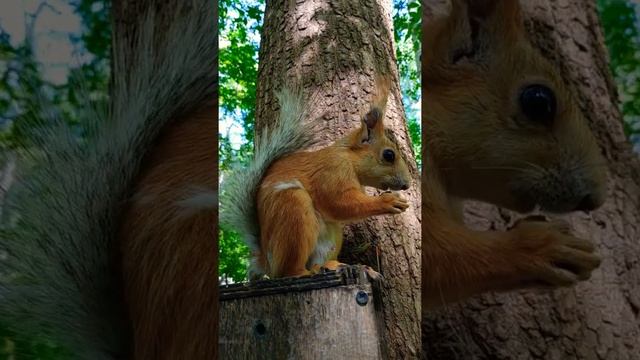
(389, 155)
(538, 103)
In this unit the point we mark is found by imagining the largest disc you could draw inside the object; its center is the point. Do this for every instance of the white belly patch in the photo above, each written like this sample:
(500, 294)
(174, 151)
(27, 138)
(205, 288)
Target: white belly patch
(325, 245)
(285, 185)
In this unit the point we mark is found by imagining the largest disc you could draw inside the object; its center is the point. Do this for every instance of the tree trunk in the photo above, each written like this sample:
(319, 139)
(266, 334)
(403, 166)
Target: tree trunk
(598, 319)
(334, 49)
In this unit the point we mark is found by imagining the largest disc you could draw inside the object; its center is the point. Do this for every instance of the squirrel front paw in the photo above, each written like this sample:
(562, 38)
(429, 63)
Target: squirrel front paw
(393, 203)
(546, 254)
(365, 269)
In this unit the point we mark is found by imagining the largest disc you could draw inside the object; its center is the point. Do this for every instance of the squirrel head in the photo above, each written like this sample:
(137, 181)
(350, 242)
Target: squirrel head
(373, 149)
(501, 124)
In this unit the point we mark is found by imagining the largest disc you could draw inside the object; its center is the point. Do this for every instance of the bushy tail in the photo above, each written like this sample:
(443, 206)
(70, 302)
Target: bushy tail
(239, 188)
(58, 236)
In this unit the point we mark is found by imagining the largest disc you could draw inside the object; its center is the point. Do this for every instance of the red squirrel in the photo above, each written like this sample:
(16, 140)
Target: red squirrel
(303, 199)
(500, 126)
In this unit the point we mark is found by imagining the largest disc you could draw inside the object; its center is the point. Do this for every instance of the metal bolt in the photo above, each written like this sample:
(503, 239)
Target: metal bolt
(362, 298)
(259, 329)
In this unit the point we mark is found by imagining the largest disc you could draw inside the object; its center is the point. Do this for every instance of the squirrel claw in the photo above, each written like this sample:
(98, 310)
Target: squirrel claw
(373, 275)
(356, 270)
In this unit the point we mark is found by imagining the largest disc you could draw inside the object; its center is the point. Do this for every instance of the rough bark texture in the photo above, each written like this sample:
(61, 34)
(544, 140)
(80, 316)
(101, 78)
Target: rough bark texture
(270, 326)
(598, 319)
(333, 49)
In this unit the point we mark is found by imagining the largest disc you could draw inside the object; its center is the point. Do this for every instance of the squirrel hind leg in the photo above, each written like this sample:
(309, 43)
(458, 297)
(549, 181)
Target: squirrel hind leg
(257, 267)
(290, 231)
(331, 265)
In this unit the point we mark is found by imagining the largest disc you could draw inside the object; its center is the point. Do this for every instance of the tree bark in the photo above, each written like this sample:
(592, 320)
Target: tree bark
(598, 319)
(334, 49)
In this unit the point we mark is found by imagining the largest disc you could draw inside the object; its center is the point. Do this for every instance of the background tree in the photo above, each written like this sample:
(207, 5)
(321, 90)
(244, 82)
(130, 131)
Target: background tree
(622, 36)
(333, 50)
(597, 319)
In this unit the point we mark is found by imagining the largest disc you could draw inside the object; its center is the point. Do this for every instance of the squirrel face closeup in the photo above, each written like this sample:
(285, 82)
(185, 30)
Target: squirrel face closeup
(518, 138)
(377, 160)
(381, 164)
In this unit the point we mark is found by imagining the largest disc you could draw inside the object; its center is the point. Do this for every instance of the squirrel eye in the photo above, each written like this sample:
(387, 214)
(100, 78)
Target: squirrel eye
(389, 155)
(538, 103)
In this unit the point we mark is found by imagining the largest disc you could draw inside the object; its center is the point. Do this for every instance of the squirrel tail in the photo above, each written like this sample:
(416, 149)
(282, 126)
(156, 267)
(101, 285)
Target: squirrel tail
(238, 189)
(58, 237)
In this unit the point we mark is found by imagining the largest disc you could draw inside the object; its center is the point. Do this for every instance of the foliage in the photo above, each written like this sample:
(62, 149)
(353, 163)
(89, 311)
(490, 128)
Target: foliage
(239, 42)
(239, 25)
(34, 347)
(31, 98)
(407, 35)
(622, 36)
(233, 259)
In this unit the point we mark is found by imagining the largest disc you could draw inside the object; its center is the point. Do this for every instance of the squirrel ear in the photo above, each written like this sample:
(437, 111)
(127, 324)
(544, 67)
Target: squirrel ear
(372, 118)
(474, 25)
(372, 125)
(372, 122)
(501, 18)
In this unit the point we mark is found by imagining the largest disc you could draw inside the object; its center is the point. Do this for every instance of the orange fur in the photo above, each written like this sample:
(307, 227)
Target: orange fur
(481, 144)
(168, 248)
(305, 198)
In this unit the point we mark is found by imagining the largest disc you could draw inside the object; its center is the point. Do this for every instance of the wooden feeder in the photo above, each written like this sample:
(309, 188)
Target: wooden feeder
(324, 316)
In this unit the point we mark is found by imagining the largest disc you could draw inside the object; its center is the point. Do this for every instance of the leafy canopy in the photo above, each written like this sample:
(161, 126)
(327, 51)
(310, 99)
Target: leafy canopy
(622, 36)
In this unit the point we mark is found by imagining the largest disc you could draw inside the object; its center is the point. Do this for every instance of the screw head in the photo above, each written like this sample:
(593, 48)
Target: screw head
(362, 298)
(259, 329)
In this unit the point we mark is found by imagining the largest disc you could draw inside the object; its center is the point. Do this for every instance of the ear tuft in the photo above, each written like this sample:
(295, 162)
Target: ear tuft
(372, 118)
(482, 8)
(503, 16)
(473, 25)
(372, 122)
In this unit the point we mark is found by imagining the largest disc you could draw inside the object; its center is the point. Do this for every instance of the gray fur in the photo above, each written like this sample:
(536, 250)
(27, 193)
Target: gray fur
(239, 187)
(61, 217)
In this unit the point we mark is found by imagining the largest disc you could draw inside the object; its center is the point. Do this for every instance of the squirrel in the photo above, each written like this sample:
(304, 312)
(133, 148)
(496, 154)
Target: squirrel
(291, 206)
(500, 126)
(109, 239)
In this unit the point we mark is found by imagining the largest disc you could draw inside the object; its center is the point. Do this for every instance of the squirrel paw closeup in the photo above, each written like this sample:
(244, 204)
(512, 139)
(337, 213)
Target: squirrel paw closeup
(392, 203)
(356, 270)
(548, 255)
(560, 225)
(372, 274)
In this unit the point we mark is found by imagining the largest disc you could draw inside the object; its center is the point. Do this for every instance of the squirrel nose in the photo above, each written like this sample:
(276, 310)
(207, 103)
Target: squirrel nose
(587, 203)
(404, 187)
